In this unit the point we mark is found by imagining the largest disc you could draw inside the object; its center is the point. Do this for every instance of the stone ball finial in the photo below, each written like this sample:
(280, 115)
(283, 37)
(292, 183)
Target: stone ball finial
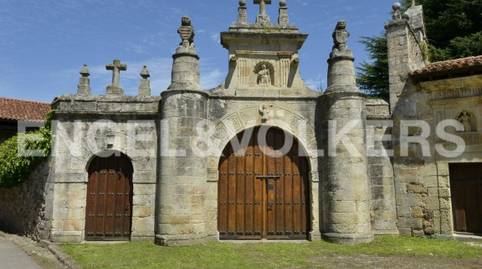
(282, 3)
(396, 6)
(84, 71)
(242, 3)
(341, 25)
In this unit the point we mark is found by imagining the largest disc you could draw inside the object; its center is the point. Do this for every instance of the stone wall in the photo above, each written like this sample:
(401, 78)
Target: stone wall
(23, 209)
(79, 136)
(422, 183)
(380, 169)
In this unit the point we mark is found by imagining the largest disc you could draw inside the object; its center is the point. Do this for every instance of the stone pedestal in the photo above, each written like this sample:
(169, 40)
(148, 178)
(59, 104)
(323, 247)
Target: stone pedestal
(183, 168)
(185, 69)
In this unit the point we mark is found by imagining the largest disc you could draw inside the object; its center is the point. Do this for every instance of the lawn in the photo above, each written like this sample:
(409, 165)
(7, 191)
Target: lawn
(262, 255)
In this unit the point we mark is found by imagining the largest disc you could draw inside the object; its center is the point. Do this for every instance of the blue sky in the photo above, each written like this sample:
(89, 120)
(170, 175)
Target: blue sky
(43, 43)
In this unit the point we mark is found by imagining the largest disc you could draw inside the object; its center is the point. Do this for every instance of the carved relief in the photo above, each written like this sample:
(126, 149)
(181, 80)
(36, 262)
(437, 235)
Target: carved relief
(467, 120)
(266, 112)
(265, 74)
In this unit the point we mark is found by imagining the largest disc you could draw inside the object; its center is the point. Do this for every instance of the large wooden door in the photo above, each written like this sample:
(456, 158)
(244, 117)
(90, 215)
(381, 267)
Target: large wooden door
(109, 199)
(466, 190)
(263, 196)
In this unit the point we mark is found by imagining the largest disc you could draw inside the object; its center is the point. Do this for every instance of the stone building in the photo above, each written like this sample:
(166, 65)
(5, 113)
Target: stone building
(194, 164)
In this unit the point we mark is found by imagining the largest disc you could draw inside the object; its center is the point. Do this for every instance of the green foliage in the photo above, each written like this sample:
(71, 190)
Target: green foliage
(373, 77)
(316, 254)
(15, 162)
(454, 30)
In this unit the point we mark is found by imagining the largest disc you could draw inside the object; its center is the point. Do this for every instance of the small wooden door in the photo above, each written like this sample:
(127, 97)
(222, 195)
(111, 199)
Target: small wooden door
(466, 190)
(263, 196)
(109, 199)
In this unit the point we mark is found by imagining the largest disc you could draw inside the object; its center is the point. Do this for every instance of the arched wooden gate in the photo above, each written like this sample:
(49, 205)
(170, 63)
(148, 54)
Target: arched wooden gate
(263, 196)
(109, 199)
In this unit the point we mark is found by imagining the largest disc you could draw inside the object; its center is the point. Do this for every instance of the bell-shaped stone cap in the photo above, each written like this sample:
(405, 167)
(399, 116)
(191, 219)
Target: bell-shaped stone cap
(84, 71)
(145, 74)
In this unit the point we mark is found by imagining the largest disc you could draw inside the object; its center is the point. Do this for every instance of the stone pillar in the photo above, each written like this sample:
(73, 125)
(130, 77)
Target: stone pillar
(283, 17)
(346, 195)
(242, 13)
(145, 83)
(83, 88)
(182, 182)
(406, 49)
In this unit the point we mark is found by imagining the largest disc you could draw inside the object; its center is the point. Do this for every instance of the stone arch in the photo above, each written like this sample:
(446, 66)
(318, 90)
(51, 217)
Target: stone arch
(248, 117)
(110, 185)
(291, 167)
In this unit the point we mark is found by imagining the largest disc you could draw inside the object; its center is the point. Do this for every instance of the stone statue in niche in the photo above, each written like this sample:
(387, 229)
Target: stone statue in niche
(264, 75)
(466, 119)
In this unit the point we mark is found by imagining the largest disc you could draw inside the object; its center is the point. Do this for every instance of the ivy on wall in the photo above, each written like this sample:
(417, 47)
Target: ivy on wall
(16, 163)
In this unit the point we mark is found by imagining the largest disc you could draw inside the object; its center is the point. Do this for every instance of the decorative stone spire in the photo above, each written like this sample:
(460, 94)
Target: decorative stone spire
(340, 40)
(341, 71)
(116, 67)
(414, 3)
(83, 88)
(145, 84)
(283, 18)
(263, 18)
(185, 69)
(242, 13)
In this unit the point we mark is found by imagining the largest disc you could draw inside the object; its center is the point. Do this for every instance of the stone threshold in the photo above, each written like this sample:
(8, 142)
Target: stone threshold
(468, 237)
(264, 241)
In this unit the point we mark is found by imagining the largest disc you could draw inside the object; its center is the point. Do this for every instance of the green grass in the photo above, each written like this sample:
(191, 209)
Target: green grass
(258, 256)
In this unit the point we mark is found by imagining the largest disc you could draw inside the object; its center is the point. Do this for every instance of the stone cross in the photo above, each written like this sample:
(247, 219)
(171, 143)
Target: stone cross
(116, 67)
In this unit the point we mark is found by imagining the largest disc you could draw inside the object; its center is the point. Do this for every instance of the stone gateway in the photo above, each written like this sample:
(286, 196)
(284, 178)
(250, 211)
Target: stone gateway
(263, 156)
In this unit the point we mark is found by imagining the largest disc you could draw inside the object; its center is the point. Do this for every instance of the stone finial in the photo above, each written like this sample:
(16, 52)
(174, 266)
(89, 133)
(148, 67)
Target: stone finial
(414, 3)
(185, 68)
(186, 32)
(341, 70)
(263, 19)
(242, 13)
(116, 67)
(397, 11)
(83, 88)
(340, 39)
(145, 84)
(283, 18)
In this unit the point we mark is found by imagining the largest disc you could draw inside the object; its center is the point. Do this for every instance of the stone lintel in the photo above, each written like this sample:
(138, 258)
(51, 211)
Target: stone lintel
(228, 38)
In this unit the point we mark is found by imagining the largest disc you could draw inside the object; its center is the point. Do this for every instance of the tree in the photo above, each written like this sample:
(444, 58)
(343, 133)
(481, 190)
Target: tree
(373, 77)
(454, 30)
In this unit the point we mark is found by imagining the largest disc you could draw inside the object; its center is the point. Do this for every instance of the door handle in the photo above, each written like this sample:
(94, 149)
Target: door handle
(270, 205)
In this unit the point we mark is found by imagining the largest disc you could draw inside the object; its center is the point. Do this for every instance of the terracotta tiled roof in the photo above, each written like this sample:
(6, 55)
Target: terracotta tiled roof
(20, 110)
(452, 68)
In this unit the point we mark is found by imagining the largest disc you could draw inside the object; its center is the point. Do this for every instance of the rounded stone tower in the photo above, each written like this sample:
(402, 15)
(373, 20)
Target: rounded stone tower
(183, 169)
(346, 195)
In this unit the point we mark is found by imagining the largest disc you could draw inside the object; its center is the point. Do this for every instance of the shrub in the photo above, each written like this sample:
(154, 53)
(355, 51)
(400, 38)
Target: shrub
(15, 167)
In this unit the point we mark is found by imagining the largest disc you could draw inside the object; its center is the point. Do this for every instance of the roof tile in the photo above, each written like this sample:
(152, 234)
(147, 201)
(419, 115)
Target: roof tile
(21, 110)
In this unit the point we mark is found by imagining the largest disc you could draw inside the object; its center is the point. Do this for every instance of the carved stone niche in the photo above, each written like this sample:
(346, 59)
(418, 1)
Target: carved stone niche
(264, 72)
(468, 120)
